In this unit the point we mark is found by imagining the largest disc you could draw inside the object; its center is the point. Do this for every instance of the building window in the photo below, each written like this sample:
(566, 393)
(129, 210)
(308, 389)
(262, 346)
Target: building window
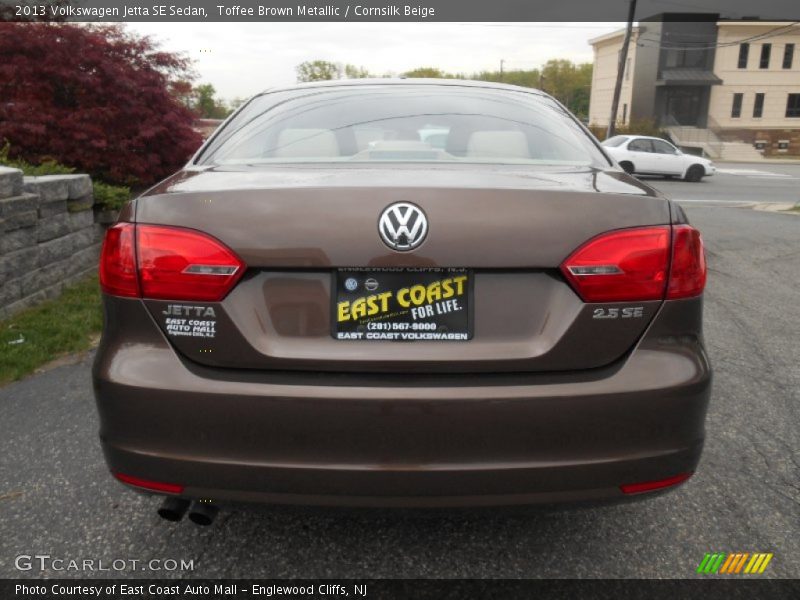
(793, 106)
(736, 109)
(766, 50)
(683, 57)
(758, 106)
(744, 52)
(624, 114)
(788, 55)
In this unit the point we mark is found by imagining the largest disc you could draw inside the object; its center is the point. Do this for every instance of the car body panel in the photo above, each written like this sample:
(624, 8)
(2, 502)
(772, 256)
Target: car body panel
(391, 440)
(264, 324)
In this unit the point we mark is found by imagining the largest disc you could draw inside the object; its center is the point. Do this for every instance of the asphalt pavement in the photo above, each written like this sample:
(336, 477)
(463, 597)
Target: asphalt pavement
(742, 184)
(56, 497)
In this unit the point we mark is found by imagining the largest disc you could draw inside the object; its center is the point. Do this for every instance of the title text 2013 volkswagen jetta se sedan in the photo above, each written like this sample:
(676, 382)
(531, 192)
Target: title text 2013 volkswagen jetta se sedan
(401, 293)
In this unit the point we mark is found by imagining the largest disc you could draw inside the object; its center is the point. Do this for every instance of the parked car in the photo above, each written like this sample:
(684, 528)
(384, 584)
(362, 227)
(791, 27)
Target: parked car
(645, 155)
(322, 307)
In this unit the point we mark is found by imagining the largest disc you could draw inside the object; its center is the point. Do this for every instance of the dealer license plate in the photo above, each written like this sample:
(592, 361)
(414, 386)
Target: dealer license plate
(398, 304)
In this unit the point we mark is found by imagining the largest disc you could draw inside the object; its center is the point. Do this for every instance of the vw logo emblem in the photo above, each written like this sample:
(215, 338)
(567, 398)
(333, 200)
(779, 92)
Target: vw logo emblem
(351, 284)
(403, 226)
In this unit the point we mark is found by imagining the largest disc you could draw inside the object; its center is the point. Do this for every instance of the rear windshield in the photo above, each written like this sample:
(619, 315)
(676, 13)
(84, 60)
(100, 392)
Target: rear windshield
(615, 141)
(385, 123)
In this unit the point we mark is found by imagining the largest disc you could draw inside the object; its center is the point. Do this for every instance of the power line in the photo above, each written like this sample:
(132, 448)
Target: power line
(643, 41)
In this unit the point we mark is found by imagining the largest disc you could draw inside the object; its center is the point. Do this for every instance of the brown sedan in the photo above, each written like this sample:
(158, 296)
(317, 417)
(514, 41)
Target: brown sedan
(401, 292)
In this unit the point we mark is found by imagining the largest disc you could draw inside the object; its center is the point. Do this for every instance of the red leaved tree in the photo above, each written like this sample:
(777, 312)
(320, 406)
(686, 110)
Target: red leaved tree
(97, 98)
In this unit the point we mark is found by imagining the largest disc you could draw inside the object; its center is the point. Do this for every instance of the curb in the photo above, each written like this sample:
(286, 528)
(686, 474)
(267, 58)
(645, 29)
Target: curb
(785, 208)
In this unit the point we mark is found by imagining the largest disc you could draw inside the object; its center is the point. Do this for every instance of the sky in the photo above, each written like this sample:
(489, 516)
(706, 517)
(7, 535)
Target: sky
(242, 59)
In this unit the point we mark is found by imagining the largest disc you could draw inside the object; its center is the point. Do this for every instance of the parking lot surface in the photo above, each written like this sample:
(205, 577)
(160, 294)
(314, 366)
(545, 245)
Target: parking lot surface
(57, 498)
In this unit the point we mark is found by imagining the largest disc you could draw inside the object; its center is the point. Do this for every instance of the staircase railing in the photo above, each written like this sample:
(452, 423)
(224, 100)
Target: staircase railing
(706, 137)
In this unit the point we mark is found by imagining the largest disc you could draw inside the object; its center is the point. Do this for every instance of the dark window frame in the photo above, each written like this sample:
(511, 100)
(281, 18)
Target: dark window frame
(766, 54)
(793, 106)
(744, 55)
(758, 105)
(736, 107)
(788, 56)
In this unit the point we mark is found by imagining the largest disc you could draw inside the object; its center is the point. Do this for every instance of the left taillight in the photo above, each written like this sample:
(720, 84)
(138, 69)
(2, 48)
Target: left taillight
(118, 275)
(167, 263)
(184, 264)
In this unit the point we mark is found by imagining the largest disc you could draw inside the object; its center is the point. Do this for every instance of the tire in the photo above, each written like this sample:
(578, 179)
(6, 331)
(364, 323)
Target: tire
(627, 166)
(694, 173)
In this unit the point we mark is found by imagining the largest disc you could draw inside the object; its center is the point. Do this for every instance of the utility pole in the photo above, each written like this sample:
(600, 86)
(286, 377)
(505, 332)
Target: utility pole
(501, 68)
(623, 58)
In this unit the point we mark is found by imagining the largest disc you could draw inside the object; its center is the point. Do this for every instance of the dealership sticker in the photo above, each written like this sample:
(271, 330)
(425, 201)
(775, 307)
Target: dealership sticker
(430, 304)
(190, 321)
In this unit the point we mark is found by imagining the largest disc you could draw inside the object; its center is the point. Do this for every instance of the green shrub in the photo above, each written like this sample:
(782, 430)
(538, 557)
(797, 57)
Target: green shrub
(110, 197)
(47, 167)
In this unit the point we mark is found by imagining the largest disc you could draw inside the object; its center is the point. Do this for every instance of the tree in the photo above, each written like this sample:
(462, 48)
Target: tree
(570, 83)
(206, 104)
(430, 72)
(183, 92)
(317, 70)
(354, 72)
(94, 97)
(236, 103)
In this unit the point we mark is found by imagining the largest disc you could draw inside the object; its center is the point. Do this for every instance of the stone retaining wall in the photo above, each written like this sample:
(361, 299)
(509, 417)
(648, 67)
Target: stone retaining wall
(48, 236)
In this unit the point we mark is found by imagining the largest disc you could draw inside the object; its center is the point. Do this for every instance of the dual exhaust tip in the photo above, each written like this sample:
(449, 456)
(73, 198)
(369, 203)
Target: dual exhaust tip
(200, 513)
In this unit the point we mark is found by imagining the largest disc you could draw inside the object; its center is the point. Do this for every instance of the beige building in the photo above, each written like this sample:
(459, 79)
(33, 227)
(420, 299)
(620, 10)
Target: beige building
(725, 87)
(604, 76)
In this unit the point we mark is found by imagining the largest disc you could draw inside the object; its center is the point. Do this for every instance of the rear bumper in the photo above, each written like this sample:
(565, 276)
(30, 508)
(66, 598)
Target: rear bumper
(440, 440)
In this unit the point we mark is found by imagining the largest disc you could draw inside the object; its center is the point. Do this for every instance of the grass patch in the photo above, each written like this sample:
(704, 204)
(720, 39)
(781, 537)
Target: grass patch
(57, 327)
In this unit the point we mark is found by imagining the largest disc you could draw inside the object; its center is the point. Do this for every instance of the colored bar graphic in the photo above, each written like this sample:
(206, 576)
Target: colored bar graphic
(728, 563)
(722, 563)
(757, 558)
(740, 564)
(718, 562)
(764, 564)
(703, 563)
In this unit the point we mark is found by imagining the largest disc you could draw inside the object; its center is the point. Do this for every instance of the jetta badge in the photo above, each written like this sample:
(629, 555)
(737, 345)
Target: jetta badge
(403, 226)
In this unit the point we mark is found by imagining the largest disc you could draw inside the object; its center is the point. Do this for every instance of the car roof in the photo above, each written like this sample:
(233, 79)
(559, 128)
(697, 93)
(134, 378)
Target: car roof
(646, 137)
(388, 81)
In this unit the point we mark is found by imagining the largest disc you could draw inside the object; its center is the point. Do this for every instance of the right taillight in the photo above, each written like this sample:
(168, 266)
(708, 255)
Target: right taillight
(626, 265)
(638, 264)
(167, 263)
(687, 276)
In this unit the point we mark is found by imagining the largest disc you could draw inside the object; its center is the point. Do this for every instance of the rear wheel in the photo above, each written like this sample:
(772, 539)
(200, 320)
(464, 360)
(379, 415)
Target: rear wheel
(627, 166)
(695, 173)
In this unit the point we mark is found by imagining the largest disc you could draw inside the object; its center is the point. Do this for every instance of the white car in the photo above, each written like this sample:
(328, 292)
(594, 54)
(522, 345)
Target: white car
(644, 155)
